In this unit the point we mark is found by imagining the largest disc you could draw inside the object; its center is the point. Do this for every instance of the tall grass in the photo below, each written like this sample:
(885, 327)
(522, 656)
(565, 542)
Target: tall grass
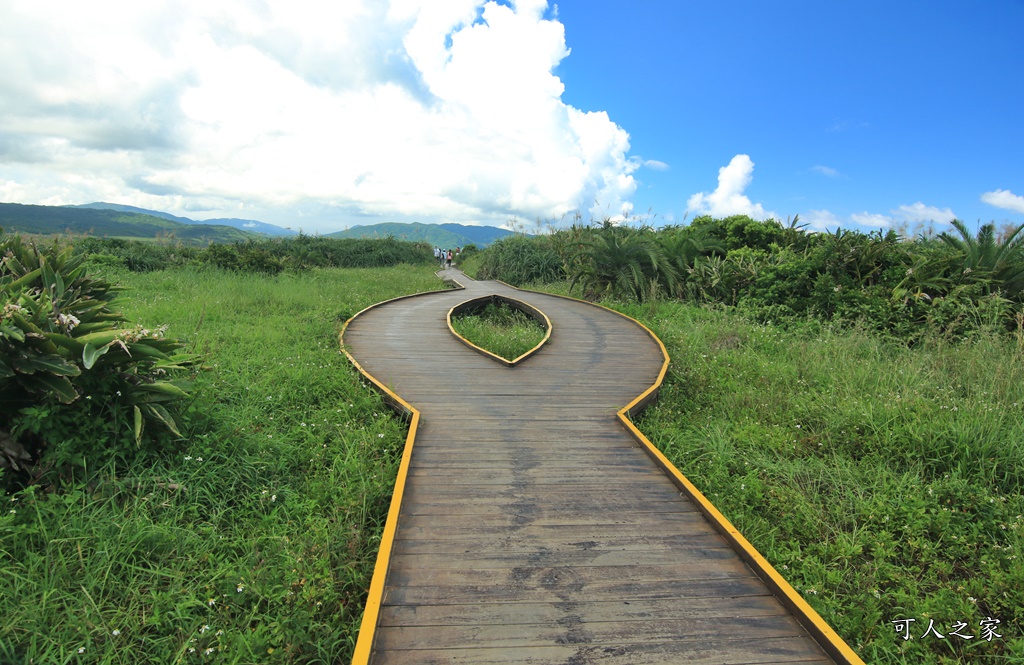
(254, 542)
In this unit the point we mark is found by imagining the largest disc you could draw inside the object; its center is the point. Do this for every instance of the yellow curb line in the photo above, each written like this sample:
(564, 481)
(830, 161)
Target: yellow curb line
(822, 633)
(375, 595)
(517, 304)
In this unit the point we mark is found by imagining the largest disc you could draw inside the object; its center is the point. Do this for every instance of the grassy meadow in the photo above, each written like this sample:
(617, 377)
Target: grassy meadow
(500, 329)
(883, 482)
(255, 541)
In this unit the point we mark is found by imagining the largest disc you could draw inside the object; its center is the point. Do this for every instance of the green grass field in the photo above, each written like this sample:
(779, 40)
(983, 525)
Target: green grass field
(884, 483)
(254, 542)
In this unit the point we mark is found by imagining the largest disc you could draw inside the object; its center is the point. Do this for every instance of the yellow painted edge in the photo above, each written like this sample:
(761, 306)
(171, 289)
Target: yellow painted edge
(375, 595)
(493, 356)
(826, 637)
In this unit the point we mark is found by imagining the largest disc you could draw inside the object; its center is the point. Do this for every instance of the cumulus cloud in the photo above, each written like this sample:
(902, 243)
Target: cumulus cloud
(919, 212)
(431, 109)
(1005, 199)
(872, 219)
(728, 198)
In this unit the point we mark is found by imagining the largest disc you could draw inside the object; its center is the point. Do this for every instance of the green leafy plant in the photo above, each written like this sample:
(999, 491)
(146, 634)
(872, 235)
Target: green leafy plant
(520, 260)
(620, 261)
(70, 367)
(986, 257)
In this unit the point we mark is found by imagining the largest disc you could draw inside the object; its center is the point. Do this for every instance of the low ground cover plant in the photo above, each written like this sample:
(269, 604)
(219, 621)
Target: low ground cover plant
(501, 329)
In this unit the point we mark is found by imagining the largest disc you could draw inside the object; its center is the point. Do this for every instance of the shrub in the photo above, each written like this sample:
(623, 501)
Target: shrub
(77, 386)
(248, 256)
(621, 262)
(134, 255)
(520, 260)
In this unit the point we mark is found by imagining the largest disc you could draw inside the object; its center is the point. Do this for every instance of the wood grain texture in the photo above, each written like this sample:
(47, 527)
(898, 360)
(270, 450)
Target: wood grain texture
(533, 529)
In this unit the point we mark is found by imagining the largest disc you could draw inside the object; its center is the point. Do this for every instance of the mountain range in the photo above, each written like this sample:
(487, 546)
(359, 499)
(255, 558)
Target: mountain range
(124, 221)
(445, 236)
(250, 225)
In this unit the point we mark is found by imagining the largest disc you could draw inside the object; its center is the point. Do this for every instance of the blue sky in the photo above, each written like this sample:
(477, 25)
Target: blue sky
(322, 115)
(845, 108)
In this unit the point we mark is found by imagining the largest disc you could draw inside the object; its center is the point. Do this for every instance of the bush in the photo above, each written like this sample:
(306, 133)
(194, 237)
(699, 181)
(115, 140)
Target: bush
(78, 388)
(248, 256)
(520, 260)
(134, 255)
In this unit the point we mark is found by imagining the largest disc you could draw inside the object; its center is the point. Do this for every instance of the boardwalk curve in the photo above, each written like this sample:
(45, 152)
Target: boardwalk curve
(528, 526)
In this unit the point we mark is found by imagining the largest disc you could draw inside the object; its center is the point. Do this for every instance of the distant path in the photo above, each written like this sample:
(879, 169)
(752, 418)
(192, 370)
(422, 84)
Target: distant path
(533, 528)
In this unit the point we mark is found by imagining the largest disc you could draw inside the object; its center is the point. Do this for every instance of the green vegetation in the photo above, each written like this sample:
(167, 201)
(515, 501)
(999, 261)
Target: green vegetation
(248, 539)
(264, 256)
(72, 372)
(953, 285)
(519, 260)
(503, 330)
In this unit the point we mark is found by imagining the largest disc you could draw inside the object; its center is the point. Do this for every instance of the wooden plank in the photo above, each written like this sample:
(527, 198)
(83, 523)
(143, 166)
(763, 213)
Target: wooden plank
(520, 514)
(595, 590)
(513, 544)
(787, 650)
(542, 557)
(560, 579)
(539, 475)
(572, 631)
(569, 508)
(554, 494)
(483, 614)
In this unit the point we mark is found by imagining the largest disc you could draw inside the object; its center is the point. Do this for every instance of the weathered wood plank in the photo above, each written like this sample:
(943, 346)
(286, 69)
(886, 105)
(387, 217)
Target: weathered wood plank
(720, 651)
(513, 544)
(594, 611)
(570, 630)
(409, 571)
(597, 590)
(661, 561)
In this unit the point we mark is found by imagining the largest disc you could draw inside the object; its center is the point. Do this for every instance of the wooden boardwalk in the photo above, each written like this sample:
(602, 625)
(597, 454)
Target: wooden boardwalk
(528, 524)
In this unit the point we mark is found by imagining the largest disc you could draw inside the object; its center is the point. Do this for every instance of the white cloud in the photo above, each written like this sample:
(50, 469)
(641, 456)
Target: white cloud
(872, 219)
(819, 220)
(728, 198)
(826, 171)
(1005, 199)
(423, 108)
(656, 165)
(919, 212)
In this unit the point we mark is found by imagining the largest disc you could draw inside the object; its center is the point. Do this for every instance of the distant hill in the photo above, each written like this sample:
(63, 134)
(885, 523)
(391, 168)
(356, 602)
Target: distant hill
(250, 225)
(438, 235)
(105, 222)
